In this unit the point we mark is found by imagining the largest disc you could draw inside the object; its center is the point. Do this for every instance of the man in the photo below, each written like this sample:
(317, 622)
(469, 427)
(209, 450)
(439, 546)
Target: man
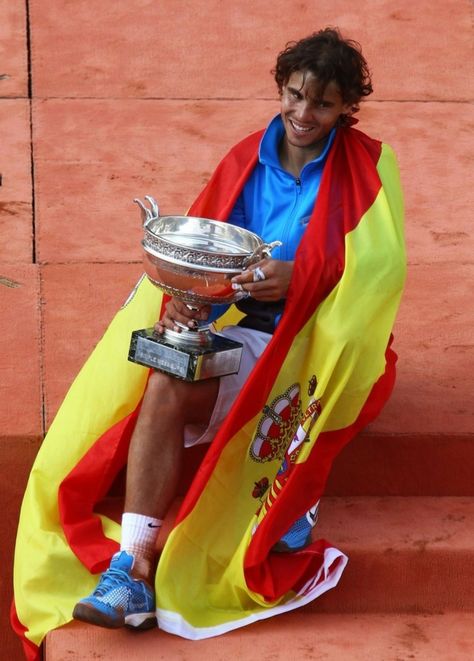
(320, 80)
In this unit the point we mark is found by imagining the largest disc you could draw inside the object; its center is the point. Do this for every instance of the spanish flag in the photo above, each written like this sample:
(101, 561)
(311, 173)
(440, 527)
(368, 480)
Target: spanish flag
(326, 373)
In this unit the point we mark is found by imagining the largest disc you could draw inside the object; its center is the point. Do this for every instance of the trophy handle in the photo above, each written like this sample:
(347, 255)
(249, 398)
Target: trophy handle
(264, 250)
(148, 214)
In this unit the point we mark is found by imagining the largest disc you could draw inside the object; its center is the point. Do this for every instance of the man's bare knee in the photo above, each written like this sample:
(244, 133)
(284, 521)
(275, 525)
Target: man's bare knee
(192, 402)
(163, 390)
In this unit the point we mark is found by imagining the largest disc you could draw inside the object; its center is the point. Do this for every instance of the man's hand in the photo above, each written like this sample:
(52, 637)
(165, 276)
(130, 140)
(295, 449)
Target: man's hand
(176, 310)
(272, 286)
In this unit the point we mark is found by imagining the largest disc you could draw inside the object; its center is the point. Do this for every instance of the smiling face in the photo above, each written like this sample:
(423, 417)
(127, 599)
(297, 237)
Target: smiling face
(308, 116)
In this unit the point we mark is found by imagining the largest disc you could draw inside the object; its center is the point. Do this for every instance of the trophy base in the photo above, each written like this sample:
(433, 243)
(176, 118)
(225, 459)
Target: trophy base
(189, 363)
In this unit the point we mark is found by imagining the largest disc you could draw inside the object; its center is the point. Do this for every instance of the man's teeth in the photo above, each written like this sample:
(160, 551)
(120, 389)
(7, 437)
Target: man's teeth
(299, 128)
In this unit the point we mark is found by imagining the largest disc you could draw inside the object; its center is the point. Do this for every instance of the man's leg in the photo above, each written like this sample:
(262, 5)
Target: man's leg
(124, 594)
(156, 451)
(156, 447)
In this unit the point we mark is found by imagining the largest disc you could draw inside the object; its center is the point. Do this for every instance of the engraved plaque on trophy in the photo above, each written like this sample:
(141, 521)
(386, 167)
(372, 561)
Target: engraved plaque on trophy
(194, 260)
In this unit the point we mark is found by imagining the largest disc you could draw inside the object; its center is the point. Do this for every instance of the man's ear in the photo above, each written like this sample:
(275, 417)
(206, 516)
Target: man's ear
(349, 109)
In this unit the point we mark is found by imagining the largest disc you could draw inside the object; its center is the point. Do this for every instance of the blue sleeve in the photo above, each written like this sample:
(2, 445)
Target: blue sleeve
(237, 215)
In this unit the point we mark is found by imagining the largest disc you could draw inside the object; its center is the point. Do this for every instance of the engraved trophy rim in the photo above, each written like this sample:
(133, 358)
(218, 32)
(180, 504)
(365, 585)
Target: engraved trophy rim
(171, 247)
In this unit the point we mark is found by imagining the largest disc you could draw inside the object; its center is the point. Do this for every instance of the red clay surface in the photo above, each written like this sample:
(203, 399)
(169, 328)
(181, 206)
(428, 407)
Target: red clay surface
(13, 51)
(88, 172)
(79, 297)
(20, 340)
(392, 568)
(187, 49)
(290, 636)
(144, 97)
(16, 226)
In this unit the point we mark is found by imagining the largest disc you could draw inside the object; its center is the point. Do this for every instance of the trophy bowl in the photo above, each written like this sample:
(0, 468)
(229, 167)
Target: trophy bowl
(193, 259)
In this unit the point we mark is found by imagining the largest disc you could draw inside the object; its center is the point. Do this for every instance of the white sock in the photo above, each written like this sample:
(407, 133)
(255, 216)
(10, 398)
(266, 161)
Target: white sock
(139, 534)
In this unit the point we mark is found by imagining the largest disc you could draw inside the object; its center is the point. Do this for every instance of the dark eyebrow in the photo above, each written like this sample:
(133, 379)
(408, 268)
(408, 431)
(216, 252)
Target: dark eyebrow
(294, 90)
(316, 99)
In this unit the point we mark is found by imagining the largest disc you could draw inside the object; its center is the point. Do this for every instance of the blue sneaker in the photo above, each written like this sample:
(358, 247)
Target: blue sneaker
(119, 600)
(299, 535)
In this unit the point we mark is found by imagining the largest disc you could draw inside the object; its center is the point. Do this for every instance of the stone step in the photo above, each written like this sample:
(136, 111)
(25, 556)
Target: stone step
(406, 594)
(402, 550)
(404, 465)
(298, 635)
(375, 464)
(406, 554)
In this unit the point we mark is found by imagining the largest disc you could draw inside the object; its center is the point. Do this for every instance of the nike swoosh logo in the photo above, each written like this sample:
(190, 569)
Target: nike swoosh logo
(150, 525)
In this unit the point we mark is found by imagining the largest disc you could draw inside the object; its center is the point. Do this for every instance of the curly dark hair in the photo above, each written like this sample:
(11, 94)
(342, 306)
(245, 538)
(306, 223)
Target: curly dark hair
(328, 57)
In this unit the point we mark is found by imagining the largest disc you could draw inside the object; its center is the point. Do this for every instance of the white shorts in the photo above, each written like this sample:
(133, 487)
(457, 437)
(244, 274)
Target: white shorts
(229, 387)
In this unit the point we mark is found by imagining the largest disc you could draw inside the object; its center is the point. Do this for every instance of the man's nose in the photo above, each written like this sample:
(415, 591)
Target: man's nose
(303, 111)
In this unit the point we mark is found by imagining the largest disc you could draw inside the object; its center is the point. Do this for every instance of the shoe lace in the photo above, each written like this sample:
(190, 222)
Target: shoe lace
(112, 578)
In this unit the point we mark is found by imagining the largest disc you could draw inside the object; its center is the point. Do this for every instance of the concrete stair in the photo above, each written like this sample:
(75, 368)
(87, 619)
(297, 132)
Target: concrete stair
(406, 594)
(406, 554)
(299, 636)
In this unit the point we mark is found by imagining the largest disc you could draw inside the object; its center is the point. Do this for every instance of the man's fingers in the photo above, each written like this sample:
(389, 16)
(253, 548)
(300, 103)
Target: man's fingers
(165, 323)
(262, 291)
(177, 311)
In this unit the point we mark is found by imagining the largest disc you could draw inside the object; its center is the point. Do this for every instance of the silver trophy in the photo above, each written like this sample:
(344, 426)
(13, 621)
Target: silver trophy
(194, 260)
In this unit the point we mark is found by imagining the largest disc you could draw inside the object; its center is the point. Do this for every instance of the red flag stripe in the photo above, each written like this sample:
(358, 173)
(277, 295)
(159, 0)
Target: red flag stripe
(86, 485)
(32, 652)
